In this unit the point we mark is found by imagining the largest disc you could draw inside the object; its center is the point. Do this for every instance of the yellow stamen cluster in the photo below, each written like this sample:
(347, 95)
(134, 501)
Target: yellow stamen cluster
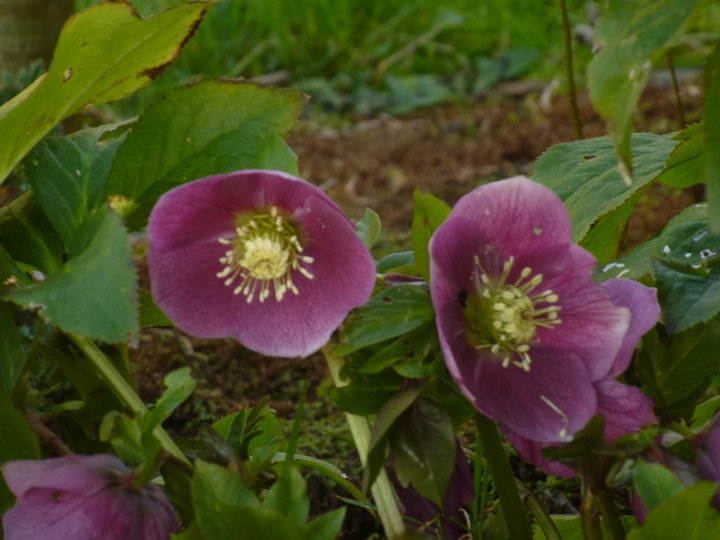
(505, 316)
(264, 252)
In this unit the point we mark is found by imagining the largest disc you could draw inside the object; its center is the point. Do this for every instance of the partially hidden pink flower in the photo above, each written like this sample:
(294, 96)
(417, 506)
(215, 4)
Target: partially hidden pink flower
(525, 331)
(83, 498)
(259, 255)
(708, 457)
(625, 408)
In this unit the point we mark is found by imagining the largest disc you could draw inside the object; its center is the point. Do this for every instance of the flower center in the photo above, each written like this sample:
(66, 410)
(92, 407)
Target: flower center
(263, 255)
(504, 317)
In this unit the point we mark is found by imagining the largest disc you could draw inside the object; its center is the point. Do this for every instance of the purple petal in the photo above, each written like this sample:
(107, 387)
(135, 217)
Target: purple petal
(592, 326)
(520, 216)
(531, 451)
(625, 408)
(644, 313)
(708, 457)
(75, 473)
(83, 498)
(184, 261)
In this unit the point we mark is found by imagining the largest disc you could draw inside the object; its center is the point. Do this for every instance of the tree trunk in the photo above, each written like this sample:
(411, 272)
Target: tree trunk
(29, 30)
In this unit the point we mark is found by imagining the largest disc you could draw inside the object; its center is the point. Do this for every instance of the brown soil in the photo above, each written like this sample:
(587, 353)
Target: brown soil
(378, 163)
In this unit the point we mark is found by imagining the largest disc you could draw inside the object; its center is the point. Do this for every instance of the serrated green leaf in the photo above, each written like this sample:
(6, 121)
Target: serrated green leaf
(209, 128)
(179, 384)
(384, 421)
(94, 292)
(392, 312)
(604, 238)
(325, 527)
(584, 175)
(429, 212)
(12, 355)
(711, 117)
(684, 240)
(68, 176)
(687, 296)
(17, 441)
(27, 236)
(98, 58)
(684, 167)
(419, 448)
(677, 370)
(369, 228)
(628, 34)
(688, 515)
(149, 314)
(288, 496)
(655, 484)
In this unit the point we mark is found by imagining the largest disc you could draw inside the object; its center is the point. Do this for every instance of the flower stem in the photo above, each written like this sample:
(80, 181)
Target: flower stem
(503, 478)
(122, 389)
(382, 490)
(610, 514)
(541, 515)
(589, 516)
(569, 67)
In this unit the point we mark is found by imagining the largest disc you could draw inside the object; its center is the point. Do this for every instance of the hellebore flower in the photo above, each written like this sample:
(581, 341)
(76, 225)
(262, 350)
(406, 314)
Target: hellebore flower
(83, 498)
(708, 457)
(259, 255)
(524, 329)
(625, 408)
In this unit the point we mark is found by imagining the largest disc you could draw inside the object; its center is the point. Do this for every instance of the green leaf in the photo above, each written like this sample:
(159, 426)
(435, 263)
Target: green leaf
(395, 261)
(209, 128)
(687, 296)
(288, 496)
(684, 240)
(628, 35)
(711, 116)
(369, 228)
(392, 312)
(68, 176)
(384, 421)
(705, 412)
(94, 292)
(429, 212)
(677, 370)
(149, 314)
(27, 236)
(584, 175)
(325, 527)
(421, 446)
(684, 168)
(99, 58)
(688, 515)
(12, 355)
(17, 441)
(655, 484)
(570, 527)
(179, 384)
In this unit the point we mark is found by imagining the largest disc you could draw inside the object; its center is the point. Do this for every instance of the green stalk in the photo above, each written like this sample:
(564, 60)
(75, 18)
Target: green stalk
(569, 68)
(503, 478)
(382, 490)
(609, 512)
(589, 517)
(122, 389)
(541, 515)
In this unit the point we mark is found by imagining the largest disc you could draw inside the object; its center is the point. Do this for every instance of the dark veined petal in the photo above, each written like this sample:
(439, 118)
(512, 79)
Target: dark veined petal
(83, 498)
(513, 237)
(184, 259)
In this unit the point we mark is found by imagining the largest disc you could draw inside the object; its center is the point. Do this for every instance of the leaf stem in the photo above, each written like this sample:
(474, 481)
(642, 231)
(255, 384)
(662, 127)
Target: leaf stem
(569, 68)
(503, 478)
(609, 512)
(122, 389)
(541, 515)
(676, 89)
(382, 490)
(589, 516)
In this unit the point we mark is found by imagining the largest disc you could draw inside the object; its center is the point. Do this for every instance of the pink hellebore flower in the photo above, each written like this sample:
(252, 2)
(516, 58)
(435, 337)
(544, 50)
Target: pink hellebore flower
(525, 331)
(83, 498)
(259, 255)
(625, 408)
